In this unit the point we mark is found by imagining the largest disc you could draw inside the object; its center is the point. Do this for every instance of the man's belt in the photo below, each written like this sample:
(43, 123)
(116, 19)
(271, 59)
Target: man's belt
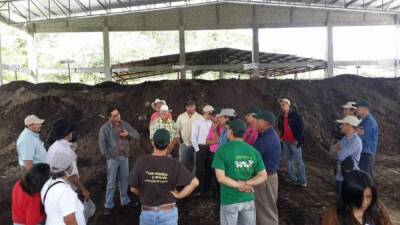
(159, 208)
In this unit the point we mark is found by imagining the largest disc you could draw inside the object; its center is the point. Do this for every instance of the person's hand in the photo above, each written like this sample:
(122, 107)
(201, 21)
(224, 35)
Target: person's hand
(124, 133)
(86, 194)
(175, 193)
(245, 188)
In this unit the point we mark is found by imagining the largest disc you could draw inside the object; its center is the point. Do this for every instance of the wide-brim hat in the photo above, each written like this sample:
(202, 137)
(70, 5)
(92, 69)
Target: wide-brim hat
(62, 128)
(153, 105)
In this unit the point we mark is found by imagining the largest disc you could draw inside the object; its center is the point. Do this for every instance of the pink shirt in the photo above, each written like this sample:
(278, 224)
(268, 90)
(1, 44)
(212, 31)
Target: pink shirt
(251, 135)
(211, 136)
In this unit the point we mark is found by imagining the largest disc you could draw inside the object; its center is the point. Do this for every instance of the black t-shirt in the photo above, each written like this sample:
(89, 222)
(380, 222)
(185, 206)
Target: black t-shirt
(156, 176)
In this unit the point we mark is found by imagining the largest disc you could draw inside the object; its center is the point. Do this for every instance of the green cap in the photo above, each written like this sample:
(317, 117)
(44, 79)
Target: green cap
(364, 103)
(267, 116)
(161, 137)
(238, 127)
(253, 111)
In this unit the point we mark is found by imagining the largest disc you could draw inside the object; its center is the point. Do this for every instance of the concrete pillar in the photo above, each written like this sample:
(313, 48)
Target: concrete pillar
(182, 51)
(32, 61)
(397, 48)
(1, 66)
(329, 51)
(221, 74)
(256, 53)
(106, 54)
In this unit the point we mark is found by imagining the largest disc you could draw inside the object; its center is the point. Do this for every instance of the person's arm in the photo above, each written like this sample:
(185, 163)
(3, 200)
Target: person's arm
(171, 145)
(27, 152)
(258, 179)
(223, 179)
(195, 136)
(28, 165)
(135, 190)
(70, 219)
(103, 143)
(330, 217)
(132, 133)
(74, 179)
(186, 190)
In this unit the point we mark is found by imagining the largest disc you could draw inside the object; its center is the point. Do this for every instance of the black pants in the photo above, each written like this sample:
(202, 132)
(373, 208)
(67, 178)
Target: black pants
(367, 163)
(203, 168)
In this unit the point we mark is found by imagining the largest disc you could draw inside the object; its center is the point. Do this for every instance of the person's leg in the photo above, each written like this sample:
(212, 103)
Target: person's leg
(200, 168)
(299, 165)
(289, 161)
(148, 218)
(229, 214)
(208, 172)
(247, 214)
(123, 180)
(169, 217)
(366, 163)
(185, 156)
(266, 199)
(112, 170)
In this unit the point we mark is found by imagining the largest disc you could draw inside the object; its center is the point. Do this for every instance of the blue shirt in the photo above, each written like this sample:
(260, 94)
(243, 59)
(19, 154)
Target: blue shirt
(269, 146)
(30, 147)
(371, 134)
(224, 138)
(350, 146)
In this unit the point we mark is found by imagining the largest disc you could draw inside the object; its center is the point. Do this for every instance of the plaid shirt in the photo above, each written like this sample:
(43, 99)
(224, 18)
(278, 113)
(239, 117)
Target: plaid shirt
(169, 125)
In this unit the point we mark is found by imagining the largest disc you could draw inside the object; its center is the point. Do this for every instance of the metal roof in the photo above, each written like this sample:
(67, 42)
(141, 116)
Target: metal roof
(221, 59)
(26, 11)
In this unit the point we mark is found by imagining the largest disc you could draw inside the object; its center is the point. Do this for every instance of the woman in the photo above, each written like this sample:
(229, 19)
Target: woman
(358, 203)
(26, 205)
(61, 203)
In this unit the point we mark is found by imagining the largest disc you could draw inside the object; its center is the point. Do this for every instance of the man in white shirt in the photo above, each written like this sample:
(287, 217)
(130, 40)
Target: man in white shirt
(184, 128)
(200, 130)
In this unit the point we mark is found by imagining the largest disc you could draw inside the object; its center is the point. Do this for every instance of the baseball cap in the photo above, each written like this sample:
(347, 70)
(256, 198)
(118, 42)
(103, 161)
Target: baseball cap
(364, 103)
(267, 116)
(238, 127)
(284, 100)
(32, 119)
(227, 112)
(253, 111)
(61, 161)
(352, 120)
(350, 105)
(161, 137)
(164, 108)
(208, 108)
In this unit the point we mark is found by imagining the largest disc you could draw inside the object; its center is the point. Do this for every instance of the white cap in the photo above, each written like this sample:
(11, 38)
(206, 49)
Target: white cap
(350, 105)
(208, 108)
(284, 100)
(352, 120)
(153, 105)
(32, 119)
(227, 112)
(164, 108)
(60, 161)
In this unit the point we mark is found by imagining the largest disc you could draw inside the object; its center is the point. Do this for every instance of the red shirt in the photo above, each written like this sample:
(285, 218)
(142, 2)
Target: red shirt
(287, 132)
(26, 209)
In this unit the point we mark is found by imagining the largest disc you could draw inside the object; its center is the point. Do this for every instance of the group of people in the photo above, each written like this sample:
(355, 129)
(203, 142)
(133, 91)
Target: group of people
(213, 153)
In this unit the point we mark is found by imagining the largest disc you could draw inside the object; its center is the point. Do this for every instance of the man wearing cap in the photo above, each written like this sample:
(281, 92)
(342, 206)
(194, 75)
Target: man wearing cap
(155, 178)
(200, 129)
(238, 168)
(291, 125)
(251, 135)
(369, 134)
(30, 148)
(114, 138)
(349, 109)
(269, 146)
(156, 105)
(223, 117)
(184, 128)
(164, 122)
(348, 149)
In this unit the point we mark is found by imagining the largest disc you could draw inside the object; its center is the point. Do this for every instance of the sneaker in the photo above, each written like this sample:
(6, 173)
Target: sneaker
(304, 185)
(107, 211)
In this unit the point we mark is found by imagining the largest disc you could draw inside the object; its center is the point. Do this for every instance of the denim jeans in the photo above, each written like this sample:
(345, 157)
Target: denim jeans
(296, 170)
(118, 167)
(243, 213)
(366, 163)
(187, 156)
(160, 217)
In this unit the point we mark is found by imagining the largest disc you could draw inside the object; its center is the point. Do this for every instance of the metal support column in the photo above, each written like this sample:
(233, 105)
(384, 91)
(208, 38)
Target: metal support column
(256, 53)
(182, 51)
(329, 51)
(106, 54)
(32, 61)
(1, 66)
(397, 47)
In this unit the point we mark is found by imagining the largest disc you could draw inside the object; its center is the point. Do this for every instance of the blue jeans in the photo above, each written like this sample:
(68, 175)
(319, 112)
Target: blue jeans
(161, 217)
(296, 170)
(243, 213)
(118, 167)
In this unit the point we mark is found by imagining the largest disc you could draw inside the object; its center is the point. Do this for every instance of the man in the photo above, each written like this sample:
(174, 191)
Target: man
(156, 105)
(155, 178)
(291, 126)
(349, 109)
(114, 137)
(348, 151)
(200, 129)
(238, 168)
(251, 135)
(269, 146)
(369, 134)
(165, 122)
(29, 146)
(223, 117)
(184, 128)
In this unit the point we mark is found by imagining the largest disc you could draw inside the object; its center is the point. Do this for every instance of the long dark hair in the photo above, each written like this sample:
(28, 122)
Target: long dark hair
(354, 184)
(34, 180)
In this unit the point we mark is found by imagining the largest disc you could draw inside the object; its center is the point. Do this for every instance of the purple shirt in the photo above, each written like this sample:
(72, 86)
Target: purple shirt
(251, 135)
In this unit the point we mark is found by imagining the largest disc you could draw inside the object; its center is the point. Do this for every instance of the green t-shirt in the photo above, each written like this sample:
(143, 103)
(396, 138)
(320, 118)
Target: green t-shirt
(240, 161)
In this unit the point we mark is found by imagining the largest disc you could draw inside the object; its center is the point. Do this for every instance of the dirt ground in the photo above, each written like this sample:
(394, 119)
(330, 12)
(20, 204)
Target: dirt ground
(318, 101)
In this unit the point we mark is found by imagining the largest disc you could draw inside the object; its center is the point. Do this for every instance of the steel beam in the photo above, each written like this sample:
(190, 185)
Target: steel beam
(329, 51)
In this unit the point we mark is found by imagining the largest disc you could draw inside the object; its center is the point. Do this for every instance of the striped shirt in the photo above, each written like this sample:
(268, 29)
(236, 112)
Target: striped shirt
(184, 126)
(169, 125)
